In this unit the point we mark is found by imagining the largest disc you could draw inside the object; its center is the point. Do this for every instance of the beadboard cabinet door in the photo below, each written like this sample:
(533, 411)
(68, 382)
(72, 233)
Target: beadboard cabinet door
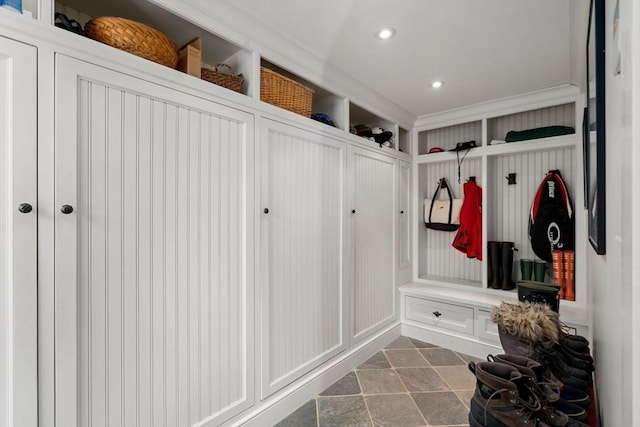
(18, 235)
(153, 253)
(372, 221)
(404, 215)
(301, 287)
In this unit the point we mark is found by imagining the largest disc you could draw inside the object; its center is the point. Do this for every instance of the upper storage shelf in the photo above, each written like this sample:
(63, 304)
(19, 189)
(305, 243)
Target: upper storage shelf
(177, 20)
(557, 115)
(215, 49)
(431, 141)
(541, 125)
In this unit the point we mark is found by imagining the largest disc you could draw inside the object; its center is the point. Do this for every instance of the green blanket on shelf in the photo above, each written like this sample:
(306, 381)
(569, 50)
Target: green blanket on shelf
(543, 132)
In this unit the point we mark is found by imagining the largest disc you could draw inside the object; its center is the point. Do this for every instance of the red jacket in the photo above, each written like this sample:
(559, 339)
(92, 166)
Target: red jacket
(469, 236)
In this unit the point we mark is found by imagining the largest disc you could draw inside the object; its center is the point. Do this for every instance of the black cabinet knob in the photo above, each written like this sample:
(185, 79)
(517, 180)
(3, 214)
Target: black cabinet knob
(402, 212)
(437, 313)
(266, 210)
(66, 209)
(25, 208)
(353, 211)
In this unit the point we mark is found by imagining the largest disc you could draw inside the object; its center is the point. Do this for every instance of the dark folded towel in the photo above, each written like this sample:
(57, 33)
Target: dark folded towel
(543, 132)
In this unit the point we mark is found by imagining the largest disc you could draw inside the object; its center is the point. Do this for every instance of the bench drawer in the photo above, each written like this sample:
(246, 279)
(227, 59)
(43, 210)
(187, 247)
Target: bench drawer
(487, 330)
(440, 314)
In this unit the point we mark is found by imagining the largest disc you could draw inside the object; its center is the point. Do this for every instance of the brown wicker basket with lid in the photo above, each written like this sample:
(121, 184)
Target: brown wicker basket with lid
(283, 92)
(222, 75)
(133, 37)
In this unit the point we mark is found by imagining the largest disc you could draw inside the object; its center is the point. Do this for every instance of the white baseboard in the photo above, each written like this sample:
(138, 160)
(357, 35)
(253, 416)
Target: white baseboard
(470, 346)
(276, 407)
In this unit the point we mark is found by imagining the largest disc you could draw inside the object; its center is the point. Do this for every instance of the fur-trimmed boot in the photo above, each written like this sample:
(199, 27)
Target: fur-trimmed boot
(501, 398)
(521, 326)
(554, 411)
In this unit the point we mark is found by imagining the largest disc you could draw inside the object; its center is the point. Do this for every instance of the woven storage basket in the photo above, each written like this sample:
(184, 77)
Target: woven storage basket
(285, 93)
(230, 81)
(133, 37)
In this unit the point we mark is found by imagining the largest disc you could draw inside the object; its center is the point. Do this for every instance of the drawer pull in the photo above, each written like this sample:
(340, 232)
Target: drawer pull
(437, 313)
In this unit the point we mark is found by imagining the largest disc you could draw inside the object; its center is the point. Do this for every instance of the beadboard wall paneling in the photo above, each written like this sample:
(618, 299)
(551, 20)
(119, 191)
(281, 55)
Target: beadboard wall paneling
(302, 233)
(509, 205)
(72, 13)
(559, 115)
(447, 137)
(437, 258)
(373, 231)
(162, 293)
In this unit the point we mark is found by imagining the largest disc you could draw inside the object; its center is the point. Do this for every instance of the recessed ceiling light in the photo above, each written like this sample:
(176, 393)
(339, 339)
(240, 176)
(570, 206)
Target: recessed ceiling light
(437, 84)
(386, 33)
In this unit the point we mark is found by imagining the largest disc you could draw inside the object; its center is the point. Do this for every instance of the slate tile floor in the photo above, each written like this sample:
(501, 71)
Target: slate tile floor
(408, 384)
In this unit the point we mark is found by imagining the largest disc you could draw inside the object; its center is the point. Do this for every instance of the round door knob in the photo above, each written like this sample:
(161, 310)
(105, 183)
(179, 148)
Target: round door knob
(25, 208)
(66, 209)
(353, 211)
(266, 210)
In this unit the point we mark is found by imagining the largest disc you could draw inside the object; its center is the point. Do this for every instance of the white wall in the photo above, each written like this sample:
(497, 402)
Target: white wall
(614, 278)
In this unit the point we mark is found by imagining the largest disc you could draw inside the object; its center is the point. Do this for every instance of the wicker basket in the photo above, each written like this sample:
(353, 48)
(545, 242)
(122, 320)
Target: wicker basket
(285, 93)
(133, 37)
(228, 80)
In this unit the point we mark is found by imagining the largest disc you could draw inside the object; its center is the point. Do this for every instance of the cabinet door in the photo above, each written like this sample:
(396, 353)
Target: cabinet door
(404, 224)
(18, 235)
(373, 241)
(302, 229)
(154, 293)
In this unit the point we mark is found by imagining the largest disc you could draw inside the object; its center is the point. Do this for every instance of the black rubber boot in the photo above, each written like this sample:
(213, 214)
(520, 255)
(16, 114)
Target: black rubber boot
(494, 276)
(506, 264)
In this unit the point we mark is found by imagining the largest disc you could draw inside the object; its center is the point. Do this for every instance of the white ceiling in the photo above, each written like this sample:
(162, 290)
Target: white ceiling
(482, 49)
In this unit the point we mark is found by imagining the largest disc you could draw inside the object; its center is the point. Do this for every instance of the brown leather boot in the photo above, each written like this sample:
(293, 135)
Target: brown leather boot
(552, 407)
(497, 400)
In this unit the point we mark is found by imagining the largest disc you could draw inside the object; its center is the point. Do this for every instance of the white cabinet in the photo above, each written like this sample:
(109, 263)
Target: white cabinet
(403, 241)
(302, 235)
(372, 221)
(153, 253)
(18, 235)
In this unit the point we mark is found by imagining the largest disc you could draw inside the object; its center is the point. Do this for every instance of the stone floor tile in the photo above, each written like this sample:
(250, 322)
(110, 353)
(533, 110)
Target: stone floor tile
(458, 377)
(377, 361)
(441, 408)
(465, 396)
(405, 358)
(442, 357)
(344, 386)
(422, 344)
(377, 381)
(401, 342)
(422, 379)
(305, 416)
(343, 411)
(468, 358)
(394, 410)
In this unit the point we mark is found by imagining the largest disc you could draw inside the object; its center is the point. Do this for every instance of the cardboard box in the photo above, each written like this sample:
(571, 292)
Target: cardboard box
(190, 57)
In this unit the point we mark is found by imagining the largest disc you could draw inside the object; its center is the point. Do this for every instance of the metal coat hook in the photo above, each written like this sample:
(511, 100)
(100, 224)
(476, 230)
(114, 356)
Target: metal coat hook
(511, 178)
